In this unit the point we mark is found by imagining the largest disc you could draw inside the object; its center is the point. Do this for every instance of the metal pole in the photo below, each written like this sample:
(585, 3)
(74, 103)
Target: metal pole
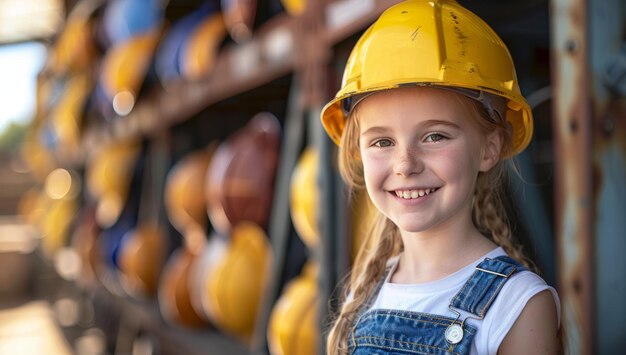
(572, 122)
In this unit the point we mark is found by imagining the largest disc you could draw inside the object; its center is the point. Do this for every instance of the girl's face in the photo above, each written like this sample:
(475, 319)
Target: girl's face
(421, 154)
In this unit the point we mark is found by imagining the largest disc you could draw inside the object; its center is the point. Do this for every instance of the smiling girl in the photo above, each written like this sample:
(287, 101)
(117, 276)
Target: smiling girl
(428, 113)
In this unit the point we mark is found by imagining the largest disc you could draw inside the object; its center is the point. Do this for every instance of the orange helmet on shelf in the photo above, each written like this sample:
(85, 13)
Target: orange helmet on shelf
(184, 191)
(141, 258)
(174, 290)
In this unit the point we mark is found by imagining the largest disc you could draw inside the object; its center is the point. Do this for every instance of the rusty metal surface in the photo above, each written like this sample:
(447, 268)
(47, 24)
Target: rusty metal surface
(608, 68)
(589, 75)
(573, 176)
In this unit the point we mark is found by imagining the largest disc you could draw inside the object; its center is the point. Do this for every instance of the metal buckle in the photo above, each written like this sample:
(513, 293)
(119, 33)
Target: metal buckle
(506, 276)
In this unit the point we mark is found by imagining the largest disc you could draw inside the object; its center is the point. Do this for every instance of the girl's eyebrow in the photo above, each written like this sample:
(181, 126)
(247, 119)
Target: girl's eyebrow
(429, 123)
(375, 129)
(422, 125)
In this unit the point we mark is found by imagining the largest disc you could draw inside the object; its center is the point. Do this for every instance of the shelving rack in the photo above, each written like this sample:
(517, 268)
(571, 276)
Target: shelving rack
(305, 54)
(294, 51)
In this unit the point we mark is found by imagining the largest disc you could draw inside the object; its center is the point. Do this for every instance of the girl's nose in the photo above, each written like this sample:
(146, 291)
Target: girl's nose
(407, 162)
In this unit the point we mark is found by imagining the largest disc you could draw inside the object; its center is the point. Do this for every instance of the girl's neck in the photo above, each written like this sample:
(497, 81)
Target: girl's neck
(436, 254)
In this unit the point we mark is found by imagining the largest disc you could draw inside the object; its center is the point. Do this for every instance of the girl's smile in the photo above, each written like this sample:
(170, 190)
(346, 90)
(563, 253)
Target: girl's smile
(413, 194)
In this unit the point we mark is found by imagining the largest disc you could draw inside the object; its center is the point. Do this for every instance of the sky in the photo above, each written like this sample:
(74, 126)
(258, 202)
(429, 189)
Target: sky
(19, 65)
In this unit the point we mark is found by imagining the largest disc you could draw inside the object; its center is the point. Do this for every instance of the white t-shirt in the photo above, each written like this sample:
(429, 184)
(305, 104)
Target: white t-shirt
(434, 298)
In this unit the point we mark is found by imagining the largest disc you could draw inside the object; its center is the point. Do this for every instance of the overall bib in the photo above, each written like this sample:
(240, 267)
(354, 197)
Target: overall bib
(383, 331)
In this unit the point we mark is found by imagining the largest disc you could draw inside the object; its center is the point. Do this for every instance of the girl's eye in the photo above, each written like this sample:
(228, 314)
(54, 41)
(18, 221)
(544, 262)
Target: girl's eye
(382, 143)
(435, 137)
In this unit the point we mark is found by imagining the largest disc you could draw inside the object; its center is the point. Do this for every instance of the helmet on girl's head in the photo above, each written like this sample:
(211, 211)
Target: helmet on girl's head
(434, 43)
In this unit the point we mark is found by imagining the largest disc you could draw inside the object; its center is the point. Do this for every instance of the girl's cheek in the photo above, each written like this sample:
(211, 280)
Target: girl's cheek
(373, 159)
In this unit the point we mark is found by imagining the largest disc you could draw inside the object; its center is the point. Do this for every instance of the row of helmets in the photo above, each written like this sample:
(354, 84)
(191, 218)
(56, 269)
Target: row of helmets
(218, 199)
(108, 52)
(218, 275)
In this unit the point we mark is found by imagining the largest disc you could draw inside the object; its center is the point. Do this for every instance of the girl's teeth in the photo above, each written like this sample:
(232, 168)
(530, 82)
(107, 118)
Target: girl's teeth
(411, 194)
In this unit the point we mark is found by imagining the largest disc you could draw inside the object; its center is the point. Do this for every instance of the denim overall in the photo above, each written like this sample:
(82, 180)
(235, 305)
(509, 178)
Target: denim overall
(384, 331)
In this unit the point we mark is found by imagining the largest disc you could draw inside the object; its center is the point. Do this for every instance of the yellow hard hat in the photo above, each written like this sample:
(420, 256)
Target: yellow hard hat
(200, 53)
(432, 43)
(294, 7)
(237, 283)
(124, 68)
(293, 327)
(210, 256)
(109, 175)
(304, 195)
(66, 116)
(75, 48)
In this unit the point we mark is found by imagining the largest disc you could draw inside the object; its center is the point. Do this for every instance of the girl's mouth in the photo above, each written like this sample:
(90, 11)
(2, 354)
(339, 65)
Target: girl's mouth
(413, 194)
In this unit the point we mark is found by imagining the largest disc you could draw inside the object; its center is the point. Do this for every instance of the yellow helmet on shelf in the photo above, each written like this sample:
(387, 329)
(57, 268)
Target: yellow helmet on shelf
(75, 48)
(304, 196)
(237, 283)
(200, 53)
(66, 116)
(210, 256)
(294, 7)
(431, 43)
(293, 327)
(124, 68)
(109, 175)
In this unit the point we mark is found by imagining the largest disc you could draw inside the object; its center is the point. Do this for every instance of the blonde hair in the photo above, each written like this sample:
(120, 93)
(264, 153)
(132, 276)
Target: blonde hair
(383, 237)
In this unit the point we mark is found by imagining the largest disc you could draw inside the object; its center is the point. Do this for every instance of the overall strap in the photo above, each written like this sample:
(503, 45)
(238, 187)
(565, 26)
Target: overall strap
(482, 287)
(366, 306)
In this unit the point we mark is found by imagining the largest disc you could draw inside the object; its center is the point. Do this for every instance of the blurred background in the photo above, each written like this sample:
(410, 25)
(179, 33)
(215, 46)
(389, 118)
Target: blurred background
(166, 187)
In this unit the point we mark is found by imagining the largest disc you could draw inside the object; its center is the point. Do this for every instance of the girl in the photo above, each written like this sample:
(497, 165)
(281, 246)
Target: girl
(428, 110)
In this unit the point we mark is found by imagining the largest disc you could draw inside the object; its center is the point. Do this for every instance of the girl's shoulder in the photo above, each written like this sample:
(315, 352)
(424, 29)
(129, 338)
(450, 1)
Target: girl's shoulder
(509, 304)
(524, 285)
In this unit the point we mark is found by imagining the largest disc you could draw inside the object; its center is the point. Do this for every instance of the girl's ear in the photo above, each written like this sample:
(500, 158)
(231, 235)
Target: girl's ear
(493, 147)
